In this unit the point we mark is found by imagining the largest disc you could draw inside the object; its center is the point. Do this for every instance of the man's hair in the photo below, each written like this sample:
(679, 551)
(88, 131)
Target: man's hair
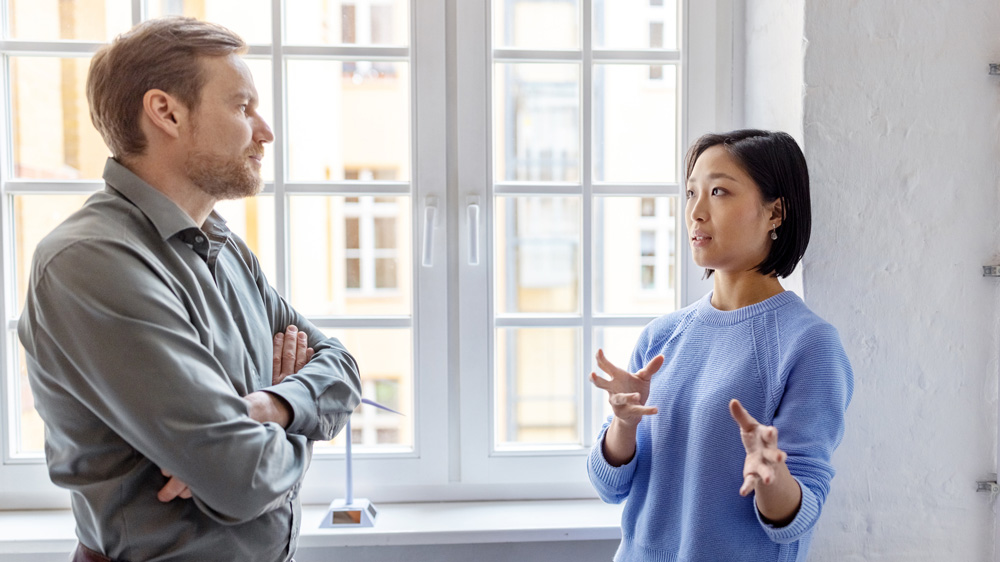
(775, 163)
(161, 53)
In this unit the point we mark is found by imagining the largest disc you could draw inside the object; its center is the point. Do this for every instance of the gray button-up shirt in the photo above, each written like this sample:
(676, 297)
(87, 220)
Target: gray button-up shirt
(142, 333)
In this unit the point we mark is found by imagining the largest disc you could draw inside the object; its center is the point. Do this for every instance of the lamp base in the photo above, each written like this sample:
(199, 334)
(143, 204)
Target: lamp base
(358, 513)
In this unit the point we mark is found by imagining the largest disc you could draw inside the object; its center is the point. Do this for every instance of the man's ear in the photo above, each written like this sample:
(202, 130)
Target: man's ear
(777, 211)
(164, 112)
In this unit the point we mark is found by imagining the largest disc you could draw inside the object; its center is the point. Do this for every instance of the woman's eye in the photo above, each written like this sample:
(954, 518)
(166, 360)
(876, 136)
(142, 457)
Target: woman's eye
(717, 191)
(689, 194)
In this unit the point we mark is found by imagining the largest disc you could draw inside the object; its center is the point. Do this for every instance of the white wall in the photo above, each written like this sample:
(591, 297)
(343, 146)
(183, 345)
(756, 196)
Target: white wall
(901, 124)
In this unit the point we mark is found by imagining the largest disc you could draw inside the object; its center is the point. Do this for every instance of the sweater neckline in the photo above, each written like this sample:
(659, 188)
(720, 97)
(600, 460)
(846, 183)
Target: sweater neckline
(715, 317)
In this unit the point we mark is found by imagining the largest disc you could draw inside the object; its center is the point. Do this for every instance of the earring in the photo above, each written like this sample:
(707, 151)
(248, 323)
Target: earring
(774, 235)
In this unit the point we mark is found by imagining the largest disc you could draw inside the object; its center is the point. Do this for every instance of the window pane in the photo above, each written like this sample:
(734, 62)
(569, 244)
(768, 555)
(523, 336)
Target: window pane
(537, 254)
(635, 256)
(536, 24)
(76, 20)
(348, 118)
(357, 22)
(635, 124)
(252, 219)
(617, 344)
(34, 217)
(31, 434)
(386, 378)
(53, 135)
(334, 273)
(536, 122)
(251, 19)
(538, 382)
(627, 24)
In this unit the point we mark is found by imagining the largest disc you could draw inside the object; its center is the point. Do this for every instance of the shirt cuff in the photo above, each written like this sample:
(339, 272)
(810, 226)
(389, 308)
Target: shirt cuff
(299, 399)
(803, 522)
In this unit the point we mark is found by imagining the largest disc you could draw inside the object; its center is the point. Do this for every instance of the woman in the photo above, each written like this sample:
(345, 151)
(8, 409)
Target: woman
(699, 485)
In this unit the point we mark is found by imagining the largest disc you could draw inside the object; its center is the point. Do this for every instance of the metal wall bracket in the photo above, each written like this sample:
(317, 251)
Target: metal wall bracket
(988, 485)
(994, 69)
(991, 271)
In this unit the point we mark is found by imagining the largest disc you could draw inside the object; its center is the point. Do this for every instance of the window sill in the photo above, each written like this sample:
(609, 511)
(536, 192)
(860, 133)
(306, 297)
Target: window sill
(398, 524)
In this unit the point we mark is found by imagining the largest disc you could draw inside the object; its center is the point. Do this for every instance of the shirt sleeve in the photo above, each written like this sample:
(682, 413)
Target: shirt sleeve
(104, 323)
(810, 423)
(324, 393)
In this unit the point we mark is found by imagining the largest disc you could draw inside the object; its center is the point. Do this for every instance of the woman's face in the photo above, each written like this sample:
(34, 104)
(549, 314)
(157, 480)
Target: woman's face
(729, 225)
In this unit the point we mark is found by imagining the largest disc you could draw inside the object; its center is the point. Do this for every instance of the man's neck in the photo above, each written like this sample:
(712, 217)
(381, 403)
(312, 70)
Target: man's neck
(176, 186)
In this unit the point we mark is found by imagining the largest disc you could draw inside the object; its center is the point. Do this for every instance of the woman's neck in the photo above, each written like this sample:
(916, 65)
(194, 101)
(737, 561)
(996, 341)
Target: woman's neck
(737, 290)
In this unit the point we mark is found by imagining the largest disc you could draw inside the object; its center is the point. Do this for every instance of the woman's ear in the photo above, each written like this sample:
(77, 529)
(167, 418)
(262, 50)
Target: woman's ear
(777, 211)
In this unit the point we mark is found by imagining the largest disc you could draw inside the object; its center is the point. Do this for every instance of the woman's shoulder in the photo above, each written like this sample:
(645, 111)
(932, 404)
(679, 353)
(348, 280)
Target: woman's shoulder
(661, 330)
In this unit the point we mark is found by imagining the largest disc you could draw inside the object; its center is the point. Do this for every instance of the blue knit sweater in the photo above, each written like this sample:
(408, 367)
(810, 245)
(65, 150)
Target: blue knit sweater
(788, 368)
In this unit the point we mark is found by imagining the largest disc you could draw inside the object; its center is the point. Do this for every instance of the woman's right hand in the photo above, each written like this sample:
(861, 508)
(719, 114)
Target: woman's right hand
(627, 392)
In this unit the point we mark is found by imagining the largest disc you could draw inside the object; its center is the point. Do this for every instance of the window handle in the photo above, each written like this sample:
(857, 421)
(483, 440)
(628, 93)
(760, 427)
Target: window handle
(473, 211)
(430, 215)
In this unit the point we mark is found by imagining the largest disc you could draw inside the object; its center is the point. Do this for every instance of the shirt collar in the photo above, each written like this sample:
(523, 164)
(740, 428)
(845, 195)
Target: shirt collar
(166, 216)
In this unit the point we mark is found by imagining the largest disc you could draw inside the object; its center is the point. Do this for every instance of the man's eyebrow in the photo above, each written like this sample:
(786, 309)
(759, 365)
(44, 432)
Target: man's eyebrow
(244, 95)
(715, 176)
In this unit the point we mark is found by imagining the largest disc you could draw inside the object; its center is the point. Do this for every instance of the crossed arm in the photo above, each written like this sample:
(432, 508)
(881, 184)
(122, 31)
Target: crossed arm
(291, 353)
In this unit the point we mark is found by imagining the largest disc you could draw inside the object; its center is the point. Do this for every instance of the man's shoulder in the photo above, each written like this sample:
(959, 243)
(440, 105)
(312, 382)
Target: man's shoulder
(105, 220)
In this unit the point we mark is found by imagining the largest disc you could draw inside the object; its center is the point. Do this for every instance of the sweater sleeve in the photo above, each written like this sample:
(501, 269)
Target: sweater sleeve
(810, 422)
(612, 483)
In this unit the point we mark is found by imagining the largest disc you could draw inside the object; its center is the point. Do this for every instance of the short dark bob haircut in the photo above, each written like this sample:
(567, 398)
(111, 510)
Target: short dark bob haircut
(775, 163)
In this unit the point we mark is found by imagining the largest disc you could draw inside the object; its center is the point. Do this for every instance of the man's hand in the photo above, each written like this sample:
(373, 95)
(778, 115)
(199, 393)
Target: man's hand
(627, 392)
(761, 444)
(291, 353)
(174, 488)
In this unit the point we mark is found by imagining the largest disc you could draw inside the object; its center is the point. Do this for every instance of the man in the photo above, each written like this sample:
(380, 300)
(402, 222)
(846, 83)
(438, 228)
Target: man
(149, 327)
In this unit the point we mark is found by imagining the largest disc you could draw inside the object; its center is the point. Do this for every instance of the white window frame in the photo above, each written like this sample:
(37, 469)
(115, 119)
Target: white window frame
(559, 471)
(450, 58)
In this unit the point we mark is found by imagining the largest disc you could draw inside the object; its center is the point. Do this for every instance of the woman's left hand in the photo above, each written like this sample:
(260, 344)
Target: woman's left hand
(761, 444)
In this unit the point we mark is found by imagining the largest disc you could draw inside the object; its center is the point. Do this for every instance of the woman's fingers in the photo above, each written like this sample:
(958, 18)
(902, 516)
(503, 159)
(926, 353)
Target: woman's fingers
(647, 372)
(742, 416)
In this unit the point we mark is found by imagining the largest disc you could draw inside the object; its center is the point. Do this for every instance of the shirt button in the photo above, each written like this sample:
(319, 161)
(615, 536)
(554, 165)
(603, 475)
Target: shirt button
(199, 239)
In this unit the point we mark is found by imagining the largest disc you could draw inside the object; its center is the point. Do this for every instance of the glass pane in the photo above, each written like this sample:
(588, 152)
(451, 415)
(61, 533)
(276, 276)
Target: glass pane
(537, 386)
(330, 278)
(617, 344)
(251, 19)
(348, 120)
(31, 435)
(77, 20)
(386, 378)
(536, 122)
(635, 124)
(252, 219)
(53, 135)
(34, 217)
(536, 24)
(538, 254)
(352, 22)
(635, 255)
(262, 79)
(635, 24)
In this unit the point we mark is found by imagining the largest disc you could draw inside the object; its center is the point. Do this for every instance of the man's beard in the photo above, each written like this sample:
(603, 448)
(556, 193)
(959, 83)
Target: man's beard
(223, 178)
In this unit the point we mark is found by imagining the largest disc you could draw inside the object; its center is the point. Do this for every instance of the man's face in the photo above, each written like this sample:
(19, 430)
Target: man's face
(228, 135)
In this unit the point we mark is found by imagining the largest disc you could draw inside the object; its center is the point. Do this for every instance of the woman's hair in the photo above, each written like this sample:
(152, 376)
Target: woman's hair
(775, 163)
(161, 53)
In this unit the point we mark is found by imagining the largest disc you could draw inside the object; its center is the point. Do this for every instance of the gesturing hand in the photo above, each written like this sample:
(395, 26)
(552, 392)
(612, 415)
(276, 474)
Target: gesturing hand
(761, 444)
(627, 392)
(291, 352)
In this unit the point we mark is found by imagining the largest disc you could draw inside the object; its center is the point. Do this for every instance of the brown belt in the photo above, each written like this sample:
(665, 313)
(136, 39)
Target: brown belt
(84, 554)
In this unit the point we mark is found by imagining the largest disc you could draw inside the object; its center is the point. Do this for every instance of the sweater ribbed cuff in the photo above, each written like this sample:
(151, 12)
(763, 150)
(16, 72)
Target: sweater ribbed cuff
(804, 520)
(612, 482)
